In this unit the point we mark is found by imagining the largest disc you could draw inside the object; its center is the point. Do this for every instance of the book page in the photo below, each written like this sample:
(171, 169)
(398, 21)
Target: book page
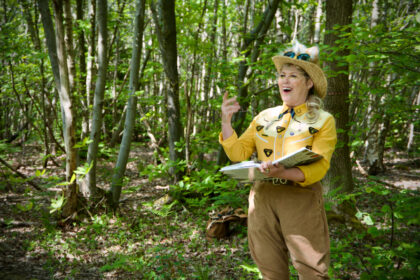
(248, 170)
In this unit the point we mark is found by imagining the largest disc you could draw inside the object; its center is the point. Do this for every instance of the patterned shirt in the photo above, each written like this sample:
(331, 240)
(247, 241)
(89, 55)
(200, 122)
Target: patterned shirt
(279, 131)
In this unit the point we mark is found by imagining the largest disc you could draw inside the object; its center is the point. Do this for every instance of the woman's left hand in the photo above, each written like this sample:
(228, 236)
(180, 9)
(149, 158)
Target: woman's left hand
(272, 170)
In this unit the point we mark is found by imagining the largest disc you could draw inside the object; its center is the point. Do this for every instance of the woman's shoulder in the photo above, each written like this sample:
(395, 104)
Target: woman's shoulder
(323, 118)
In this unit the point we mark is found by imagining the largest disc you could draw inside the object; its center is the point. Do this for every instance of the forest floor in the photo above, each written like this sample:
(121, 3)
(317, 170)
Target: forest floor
(144, 242)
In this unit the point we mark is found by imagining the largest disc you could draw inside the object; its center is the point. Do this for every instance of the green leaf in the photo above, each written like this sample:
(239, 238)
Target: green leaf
(83, 170)
(39, 173)
(57, 204)
(85, 142)
(368, 220)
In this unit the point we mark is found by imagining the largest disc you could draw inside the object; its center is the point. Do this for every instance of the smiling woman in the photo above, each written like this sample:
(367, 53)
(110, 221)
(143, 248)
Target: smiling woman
(288, 218)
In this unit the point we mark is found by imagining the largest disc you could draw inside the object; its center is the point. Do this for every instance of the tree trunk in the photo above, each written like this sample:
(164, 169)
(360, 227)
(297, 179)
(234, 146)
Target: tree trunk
(90, 66)
(69, 44)
(204, 123)
(88, 188)
(81, 83)
(50, 39)
(317, 30)
(37, 44)
(411, 137)
(166, 33)
(221, 155)
(58, 58)
(255, 36)
(189, 91)
(131, 105)
(375, 164)
(337, 100)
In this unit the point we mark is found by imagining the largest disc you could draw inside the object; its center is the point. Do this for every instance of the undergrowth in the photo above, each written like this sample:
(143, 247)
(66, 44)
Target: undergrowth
(144, 241)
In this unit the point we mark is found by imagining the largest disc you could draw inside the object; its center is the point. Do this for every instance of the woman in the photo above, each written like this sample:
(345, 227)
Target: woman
(287, 217)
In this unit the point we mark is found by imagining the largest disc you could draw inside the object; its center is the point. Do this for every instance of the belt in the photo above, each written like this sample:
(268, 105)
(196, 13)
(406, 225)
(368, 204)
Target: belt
(279, 181)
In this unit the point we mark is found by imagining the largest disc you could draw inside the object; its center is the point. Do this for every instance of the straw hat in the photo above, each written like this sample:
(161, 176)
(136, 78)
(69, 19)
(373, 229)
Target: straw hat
(307, 59)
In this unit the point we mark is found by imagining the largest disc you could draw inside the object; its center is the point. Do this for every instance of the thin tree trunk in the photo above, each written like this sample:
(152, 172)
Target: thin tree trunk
(58, 58)
(37, 44)
(70, 206)
(411, 136)
(90, 66)
(131, 105)
(81, 83)
(221, 155)
(336, 102)
(203, 126)
(375, 165)
(50, 39)
(255, 36)
(317, 30)
(189, 91)
(166, 33)
(69, 44)
(88, 188)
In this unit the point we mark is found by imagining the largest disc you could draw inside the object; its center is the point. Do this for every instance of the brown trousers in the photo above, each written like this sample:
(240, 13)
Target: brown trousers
(288, 220)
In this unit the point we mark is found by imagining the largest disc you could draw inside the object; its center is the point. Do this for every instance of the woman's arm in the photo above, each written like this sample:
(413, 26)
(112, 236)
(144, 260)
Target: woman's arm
(279, 171)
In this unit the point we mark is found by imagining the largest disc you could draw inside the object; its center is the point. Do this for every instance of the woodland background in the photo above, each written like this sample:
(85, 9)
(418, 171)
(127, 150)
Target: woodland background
(109, 123)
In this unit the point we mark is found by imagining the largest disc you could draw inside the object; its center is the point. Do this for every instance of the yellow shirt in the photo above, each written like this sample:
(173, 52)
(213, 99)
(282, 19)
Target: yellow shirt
(274, 134)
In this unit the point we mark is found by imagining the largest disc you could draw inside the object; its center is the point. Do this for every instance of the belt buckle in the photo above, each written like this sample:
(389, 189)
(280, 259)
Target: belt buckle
(279, 181)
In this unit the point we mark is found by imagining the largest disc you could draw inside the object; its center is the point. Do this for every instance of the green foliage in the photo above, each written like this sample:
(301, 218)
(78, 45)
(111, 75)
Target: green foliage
(252, 269)
(25, 207)
(164, 211)
(208, 187)
(384, 64)
(383, 248)
(57, 204)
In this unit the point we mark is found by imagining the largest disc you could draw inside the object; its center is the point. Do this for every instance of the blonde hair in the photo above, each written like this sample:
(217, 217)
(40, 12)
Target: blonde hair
(315, 105)
(313, 102)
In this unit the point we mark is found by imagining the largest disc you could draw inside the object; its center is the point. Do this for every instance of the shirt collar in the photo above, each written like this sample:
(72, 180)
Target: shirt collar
(299, 110)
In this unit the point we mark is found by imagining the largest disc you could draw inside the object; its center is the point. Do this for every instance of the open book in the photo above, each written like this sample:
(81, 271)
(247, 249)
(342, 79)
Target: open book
(248, 170)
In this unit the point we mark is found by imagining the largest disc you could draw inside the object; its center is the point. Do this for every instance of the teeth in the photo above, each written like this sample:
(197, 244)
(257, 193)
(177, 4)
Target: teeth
(287, 88)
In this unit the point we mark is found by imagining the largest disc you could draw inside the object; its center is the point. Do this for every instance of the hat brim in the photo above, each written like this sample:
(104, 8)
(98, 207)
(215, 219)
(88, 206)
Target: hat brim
(315, 73)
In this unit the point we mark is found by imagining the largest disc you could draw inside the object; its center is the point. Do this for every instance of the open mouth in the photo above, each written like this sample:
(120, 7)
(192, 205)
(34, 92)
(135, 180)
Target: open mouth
(287, 89)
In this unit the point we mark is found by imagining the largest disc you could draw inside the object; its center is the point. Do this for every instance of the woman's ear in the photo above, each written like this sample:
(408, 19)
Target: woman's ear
(309, 84)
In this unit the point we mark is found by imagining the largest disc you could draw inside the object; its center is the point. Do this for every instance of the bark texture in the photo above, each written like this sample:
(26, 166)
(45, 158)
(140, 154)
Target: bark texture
(337, 100)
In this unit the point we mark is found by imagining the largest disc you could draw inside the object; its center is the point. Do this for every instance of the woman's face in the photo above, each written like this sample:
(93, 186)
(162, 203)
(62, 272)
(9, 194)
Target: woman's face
(293, 85)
